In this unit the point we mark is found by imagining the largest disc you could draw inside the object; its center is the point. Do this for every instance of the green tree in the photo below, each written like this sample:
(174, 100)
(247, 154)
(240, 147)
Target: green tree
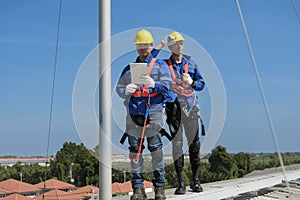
(205, 175)
(170, 176)
(33, 173)
(3, 173)
(243, 163)
(222, 164)
(75, 161)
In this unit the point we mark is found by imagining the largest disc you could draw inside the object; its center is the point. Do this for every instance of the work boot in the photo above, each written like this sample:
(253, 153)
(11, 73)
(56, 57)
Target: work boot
(159, 193)
(181, 188)
(195, 186)
(138, 194)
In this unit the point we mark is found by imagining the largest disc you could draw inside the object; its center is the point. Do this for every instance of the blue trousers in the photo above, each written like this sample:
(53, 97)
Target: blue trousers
(155, 147)
(154, 144)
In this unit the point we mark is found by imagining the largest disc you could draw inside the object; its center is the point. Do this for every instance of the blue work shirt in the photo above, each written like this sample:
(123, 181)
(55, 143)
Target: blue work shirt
(195, 75)
(155, 52)
(162, 77)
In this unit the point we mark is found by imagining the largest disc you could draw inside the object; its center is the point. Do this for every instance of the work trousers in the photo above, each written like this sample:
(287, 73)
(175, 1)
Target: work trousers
(154, 144)
(190, 126)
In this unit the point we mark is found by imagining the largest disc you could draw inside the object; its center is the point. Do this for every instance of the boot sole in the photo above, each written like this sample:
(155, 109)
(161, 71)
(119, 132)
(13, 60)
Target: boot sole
(179, 192)
(139, 198)
(197, 190)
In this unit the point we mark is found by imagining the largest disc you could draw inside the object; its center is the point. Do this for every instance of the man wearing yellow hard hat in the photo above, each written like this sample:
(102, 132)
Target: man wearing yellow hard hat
(186, 80)
(145, 103)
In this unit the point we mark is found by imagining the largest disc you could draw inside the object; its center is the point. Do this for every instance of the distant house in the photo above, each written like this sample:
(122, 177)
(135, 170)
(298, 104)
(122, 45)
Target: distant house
(4, 192)
(16, 197)
(12, 189)
(12, 186)
(87, 191)
(55, 195)
(13, 160)
(51, 184)
(125, 188)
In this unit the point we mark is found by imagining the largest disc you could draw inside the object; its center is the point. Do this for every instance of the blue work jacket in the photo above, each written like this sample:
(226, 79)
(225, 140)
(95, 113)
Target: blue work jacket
(162, 77)
(195, 75)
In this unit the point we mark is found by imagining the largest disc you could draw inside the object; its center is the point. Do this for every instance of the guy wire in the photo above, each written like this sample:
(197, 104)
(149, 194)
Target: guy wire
(52, 93)
(262, 95)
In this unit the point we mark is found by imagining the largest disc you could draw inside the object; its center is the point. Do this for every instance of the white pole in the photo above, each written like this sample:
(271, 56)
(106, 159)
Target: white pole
(92, 196)
(104, 101)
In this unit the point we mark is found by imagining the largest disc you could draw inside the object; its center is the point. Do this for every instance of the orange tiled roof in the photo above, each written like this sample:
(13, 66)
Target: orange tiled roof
(148, 184)
(86, 190)
(13, 185)
(126, 187)
(3, 191)
(119, 188)
(115, 187)
(58, 194)
(55, 184)
(16, 197)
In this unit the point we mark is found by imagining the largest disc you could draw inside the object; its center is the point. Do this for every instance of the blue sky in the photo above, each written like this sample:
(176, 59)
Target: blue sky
(27, 47)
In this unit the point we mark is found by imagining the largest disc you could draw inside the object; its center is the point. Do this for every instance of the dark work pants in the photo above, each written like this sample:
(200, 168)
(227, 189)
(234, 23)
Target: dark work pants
(190, 125)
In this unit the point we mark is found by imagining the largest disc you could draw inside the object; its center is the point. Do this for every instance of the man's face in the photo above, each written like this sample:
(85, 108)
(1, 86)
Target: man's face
(177, 48)
(144, 50)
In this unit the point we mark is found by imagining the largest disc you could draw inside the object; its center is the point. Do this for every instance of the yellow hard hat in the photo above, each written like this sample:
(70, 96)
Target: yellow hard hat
(143, 37)
(174, 37)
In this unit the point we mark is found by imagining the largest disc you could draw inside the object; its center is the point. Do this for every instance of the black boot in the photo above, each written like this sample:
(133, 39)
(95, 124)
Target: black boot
(181, 188)
(195, 186)
(138, 194)
(159, 193)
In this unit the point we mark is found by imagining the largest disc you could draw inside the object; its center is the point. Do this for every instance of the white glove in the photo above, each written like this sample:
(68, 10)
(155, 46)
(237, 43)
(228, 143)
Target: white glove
(187, 78)
(149, 81)
(130, 88)
(166, 40)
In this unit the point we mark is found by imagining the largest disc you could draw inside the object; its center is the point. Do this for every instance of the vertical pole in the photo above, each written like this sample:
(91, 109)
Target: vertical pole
(104, 100)
(124, 176)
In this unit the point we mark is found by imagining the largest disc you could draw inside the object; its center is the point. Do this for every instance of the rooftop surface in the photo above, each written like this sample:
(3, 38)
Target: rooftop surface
(234, 189)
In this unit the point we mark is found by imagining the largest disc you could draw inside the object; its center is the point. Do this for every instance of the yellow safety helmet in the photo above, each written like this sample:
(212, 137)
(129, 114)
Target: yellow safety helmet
(174, 37)
(143, 37)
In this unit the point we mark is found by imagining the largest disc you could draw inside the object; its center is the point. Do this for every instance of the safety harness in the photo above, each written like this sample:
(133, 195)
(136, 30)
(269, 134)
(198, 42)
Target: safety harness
(179, 87)
(143, 91)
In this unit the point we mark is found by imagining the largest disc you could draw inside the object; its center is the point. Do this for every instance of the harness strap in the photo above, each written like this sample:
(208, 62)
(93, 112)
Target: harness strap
(144, 129)
(150, 67)
(143, 91)
(186, 68)
(178, 85)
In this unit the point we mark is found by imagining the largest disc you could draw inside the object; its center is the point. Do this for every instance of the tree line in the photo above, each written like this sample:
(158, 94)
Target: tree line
(78, 165)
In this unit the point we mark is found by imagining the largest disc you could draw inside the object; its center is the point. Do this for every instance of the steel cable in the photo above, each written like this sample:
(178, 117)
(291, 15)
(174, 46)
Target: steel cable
(52, 93)
(263, 95)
